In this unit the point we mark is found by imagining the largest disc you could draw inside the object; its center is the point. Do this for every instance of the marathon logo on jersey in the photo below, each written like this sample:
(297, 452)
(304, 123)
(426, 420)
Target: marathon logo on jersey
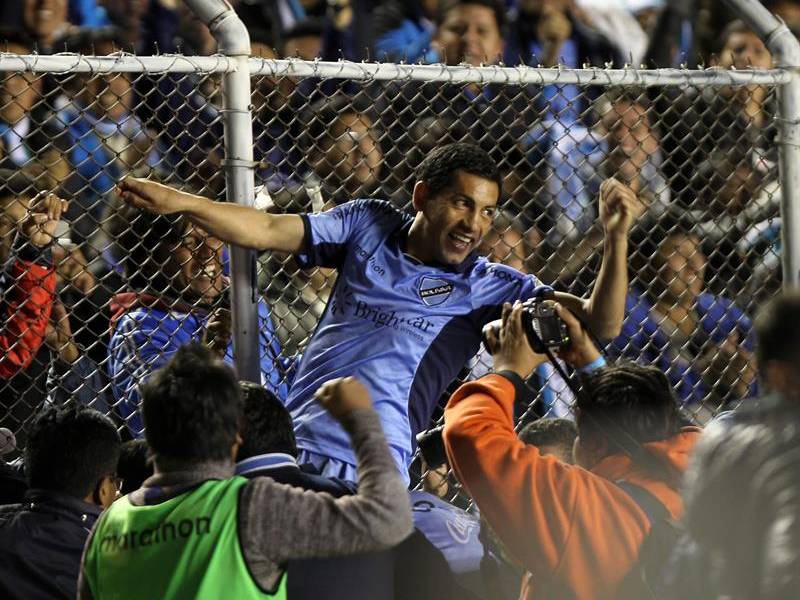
(434, 291)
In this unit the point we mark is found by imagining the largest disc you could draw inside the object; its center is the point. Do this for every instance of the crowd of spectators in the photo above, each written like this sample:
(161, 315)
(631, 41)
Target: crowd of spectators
(98, 295)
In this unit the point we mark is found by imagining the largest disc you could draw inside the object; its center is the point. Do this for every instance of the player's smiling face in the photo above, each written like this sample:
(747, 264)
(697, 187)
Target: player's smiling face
(455, 219)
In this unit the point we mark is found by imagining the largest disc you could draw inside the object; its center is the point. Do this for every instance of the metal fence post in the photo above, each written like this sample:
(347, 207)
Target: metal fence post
(785, 49)
(234, 42)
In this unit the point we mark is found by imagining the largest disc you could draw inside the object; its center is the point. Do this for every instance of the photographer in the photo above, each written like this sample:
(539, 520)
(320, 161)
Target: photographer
(578, 529)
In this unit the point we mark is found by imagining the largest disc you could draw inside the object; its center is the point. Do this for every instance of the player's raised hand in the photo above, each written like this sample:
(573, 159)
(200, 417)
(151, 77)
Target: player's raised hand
(151, 195)
(619, 207)
(342, 396)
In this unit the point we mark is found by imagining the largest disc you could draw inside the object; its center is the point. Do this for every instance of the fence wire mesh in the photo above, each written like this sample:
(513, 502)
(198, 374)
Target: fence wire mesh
(698, 148)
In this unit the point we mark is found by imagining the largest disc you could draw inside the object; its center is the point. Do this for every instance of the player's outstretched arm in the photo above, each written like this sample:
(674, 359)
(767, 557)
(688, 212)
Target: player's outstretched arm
(231, 223)
(604, 310)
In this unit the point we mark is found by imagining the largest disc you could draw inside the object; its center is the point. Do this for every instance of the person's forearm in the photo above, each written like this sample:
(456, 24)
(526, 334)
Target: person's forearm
(283, 523)
(243, 225)
(231, 223)
(606, 307)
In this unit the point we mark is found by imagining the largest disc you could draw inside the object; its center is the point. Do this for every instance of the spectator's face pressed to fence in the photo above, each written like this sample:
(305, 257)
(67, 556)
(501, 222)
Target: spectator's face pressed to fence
(351, 155)
(109, 95)
(19, 91)
(630, 140)
(469, 33)
(506, 247)
(681, 266)
(745, 50)
(197, 266)
(454, 221)
(737, 189)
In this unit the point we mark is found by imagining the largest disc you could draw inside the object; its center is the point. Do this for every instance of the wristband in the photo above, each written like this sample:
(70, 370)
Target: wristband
(597, 363)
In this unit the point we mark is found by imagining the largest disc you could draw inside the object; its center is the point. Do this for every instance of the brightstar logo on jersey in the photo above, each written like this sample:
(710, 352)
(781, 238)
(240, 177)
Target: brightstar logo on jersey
(434, 291)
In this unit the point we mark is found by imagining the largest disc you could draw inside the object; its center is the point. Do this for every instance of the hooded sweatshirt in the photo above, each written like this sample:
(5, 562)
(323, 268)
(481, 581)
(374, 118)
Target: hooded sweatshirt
(575, 530)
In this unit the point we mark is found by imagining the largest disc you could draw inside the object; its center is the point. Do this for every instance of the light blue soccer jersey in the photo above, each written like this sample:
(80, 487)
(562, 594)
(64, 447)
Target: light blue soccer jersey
(403, 328)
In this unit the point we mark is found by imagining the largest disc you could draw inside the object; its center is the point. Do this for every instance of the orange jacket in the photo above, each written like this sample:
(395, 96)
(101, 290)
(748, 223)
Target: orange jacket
(575, 531)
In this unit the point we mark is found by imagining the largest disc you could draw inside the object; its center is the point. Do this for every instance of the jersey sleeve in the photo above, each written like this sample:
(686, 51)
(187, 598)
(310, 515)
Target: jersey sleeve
(511, 285)
(328, 234)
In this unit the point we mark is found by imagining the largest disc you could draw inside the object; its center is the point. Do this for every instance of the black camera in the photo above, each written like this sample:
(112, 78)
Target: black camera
(431, 446)
(542, 325)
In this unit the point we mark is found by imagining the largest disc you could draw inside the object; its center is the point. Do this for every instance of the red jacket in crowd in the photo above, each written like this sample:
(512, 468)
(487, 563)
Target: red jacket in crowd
(575, 531)
(27, 305)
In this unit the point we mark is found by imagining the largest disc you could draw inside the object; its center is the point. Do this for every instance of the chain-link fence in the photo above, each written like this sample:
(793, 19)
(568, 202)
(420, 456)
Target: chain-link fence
(698, 147)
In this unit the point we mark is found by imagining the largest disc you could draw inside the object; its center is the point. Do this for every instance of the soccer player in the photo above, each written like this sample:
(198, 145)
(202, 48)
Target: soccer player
(412, 295)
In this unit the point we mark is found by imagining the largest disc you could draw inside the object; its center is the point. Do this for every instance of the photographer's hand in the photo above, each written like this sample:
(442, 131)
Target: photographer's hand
(581, 350)
(510, 349)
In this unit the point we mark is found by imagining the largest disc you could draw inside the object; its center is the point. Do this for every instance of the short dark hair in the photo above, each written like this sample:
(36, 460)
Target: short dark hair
(134, 465)
(737, 26)
(192, 407)
(550, 432)
(649, 235)
(144, 241)
(70, 448)
(445, 6)
(319, 118)
(777, 328)
(267, 425)
(627, 405)
(438, 169)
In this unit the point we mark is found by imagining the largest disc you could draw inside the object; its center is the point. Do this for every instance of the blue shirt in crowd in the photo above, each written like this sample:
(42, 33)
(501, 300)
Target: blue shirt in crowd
(403, 328)
(645, 340)
(144, 338)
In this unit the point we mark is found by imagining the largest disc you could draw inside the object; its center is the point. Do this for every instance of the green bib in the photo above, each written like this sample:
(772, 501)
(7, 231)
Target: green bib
(186, 547)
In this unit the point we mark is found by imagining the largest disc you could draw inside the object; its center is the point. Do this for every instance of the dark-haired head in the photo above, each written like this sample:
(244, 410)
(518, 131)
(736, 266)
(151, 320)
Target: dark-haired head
(72, 449)
(267, 425)
(777, 328)
(455, 196)
(622, 408)
(667, 257)
(164, 255)
(342, 145)
(551, 436)
(192, 408)
(134, 465)
(741, 48)
(471, 30)
(438, 170)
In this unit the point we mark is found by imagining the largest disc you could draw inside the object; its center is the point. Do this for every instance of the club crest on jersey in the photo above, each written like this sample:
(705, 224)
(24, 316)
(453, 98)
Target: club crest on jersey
(434, 291)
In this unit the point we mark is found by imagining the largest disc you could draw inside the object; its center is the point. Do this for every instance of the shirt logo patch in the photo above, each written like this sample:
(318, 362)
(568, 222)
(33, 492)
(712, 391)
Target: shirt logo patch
(434, 291)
